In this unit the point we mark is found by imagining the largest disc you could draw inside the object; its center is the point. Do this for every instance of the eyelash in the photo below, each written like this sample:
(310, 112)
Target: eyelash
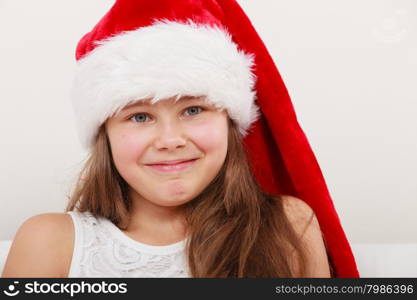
(136, 114)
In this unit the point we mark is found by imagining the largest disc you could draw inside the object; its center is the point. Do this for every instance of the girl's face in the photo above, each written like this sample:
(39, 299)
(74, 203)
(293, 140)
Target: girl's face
(145, 138)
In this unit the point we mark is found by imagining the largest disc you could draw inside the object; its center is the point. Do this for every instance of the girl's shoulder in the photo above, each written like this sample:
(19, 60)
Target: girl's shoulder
(42, 247)
(298, 211)
(305, 222)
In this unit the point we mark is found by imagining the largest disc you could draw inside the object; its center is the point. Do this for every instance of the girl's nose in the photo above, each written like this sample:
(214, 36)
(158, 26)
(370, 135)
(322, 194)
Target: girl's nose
(170, 136)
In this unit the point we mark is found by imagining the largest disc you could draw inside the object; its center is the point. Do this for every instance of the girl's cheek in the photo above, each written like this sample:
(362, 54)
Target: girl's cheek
(209, 134)
(130, 146)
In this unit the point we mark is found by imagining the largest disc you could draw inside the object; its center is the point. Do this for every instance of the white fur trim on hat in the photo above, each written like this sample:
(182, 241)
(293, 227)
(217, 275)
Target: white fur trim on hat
(160, 61)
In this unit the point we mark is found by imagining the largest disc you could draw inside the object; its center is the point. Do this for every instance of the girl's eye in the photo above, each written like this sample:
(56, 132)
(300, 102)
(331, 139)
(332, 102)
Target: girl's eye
(140, 118)
(194, 109)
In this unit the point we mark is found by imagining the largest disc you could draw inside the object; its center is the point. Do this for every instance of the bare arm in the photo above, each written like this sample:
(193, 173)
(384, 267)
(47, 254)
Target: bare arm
(307, 226)
(42, 247)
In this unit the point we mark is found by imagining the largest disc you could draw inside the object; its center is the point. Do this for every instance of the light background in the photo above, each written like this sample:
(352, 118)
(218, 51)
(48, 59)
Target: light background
(350, 68)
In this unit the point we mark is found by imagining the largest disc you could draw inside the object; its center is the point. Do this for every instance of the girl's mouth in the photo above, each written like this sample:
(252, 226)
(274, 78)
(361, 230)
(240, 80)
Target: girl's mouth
(172, 167)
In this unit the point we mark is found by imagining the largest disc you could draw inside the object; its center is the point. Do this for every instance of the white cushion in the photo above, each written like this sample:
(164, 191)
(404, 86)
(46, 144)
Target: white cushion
(386, 260)
(4, 249)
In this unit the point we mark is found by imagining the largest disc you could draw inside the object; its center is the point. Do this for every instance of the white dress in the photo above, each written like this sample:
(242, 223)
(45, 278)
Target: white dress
(101, 249)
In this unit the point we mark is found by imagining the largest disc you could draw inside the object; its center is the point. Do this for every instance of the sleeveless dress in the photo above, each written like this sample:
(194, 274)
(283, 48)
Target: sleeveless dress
(101, 249)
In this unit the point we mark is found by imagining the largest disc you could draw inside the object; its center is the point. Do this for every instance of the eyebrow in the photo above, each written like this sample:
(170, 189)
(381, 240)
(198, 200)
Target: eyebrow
(141, 103)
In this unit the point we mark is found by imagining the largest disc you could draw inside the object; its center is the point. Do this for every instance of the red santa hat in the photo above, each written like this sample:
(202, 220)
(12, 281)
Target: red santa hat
(160, 49)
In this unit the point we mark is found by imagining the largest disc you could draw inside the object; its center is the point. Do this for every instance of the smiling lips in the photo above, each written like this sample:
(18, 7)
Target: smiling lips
(172, 165)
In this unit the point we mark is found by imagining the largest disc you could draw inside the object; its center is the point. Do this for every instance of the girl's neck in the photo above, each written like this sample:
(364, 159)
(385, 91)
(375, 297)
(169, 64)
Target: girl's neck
(153, 224)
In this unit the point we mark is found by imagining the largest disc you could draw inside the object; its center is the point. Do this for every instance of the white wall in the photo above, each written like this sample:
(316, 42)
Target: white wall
(350, 68)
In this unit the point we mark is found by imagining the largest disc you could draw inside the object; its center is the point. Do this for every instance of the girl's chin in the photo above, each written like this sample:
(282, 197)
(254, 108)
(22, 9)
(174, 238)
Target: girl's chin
(173, 203)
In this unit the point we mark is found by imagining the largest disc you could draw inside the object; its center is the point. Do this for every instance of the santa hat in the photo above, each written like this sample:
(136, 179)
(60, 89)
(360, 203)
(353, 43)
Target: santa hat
(164, 48)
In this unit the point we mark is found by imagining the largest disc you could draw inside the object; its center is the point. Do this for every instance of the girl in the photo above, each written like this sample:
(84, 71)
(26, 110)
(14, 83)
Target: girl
(165, 110)
(165, 175)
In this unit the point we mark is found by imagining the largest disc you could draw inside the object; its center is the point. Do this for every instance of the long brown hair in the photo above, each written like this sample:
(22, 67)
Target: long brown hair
(234, 228)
